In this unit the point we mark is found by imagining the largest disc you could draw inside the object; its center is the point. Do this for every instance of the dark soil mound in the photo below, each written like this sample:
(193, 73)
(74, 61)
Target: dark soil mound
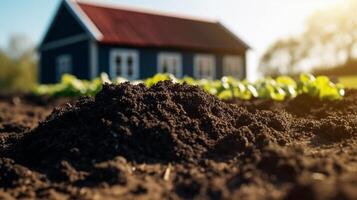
(177, 142)
(167, 122)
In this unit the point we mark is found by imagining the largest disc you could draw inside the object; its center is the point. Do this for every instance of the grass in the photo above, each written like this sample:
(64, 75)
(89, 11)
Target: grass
(348, 81)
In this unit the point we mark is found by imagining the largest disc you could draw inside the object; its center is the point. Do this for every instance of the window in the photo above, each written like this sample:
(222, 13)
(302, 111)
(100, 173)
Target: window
(124, 63)
(63, 66)
(170, 63)
(233, 66)
(204, 66)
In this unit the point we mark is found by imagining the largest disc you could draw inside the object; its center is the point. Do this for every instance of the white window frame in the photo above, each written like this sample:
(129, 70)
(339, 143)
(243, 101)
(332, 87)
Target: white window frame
(233, 66)
(124, 53)
(63, 65)
(210, 60)
(169, 57)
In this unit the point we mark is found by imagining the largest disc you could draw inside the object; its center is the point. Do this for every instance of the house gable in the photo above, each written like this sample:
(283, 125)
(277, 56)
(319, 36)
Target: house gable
(64, 25)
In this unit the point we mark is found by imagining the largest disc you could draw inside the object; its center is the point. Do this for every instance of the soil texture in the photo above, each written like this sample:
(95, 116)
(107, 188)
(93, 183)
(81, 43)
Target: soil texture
(175, 141)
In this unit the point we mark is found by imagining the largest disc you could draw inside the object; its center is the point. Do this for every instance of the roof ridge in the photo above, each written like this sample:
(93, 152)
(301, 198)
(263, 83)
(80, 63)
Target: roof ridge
(145, 11)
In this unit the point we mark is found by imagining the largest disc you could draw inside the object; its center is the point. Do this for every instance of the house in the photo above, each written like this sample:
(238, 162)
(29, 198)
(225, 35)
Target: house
(86, 39)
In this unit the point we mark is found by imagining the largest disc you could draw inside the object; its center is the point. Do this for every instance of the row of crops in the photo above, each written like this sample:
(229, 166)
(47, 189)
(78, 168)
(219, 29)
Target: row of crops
(280, 88)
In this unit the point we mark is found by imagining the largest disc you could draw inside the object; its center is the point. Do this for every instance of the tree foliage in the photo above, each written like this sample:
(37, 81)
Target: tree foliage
(18, 67)
(329, 40)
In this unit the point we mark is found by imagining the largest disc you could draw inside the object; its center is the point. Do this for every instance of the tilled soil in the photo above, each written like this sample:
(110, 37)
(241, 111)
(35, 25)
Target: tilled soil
(177, 142)
(19, 113)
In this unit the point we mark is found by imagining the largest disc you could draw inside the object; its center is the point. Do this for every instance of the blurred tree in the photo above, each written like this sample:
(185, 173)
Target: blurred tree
(18, 66)
(281, 58)
(18, 46)
(329, 40)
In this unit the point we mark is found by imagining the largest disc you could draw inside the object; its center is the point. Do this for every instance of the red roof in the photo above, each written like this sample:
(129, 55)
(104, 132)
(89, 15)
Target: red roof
(129, 27)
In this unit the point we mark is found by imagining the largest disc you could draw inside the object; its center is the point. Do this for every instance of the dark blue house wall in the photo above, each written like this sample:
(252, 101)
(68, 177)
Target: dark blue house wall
(79, 53)
(187, 63)
(219, 63)
(148, 59)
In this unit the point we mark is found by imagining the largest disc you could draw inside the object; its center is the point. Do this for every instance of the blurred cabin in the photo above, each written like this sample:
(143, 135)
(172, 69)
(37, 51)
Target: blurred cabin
(86, 39)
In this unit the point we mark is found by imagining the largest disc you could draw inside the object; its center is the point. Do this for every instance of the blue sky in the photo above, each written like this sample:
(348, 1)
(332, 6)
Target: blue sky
(258, 22)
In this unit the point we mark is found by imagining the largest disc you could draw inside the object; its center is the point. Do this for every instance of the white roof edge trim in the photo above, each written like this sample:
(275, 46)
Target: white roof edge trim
(87, 22)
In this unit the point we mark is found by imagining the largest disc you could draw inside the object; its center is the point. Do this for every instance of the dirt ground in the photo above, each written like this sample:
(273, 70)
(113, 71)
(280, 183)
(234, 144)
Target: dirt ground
(176, 142)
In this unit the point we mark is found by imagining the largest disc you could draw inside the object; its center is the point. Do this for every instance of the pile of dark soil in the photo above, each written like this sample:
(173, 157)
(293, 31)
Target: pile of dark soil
(168, 122)
(175, 141)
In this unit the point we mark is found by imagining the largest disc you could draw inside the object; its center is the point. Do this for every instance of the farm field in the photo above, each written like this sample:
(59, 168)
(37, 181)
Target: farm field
(175, 141)
(348, 81)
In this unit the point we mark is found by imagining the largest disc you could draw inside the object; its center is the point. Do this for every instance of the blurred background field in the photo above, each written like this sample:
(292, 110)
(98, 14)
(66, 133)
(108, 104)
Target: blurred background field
(327, 45)
(348, 81)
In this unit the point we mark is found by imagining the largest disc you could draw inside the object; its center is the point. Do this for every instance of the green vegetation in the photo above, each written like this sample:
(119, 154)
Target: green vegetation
(281, 88)
(70, 86)
(18, 67)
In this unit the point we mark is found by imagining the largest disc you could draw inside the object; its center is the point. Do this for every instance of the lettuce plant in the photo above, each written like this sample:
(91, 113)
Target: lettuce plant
(279, 89)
